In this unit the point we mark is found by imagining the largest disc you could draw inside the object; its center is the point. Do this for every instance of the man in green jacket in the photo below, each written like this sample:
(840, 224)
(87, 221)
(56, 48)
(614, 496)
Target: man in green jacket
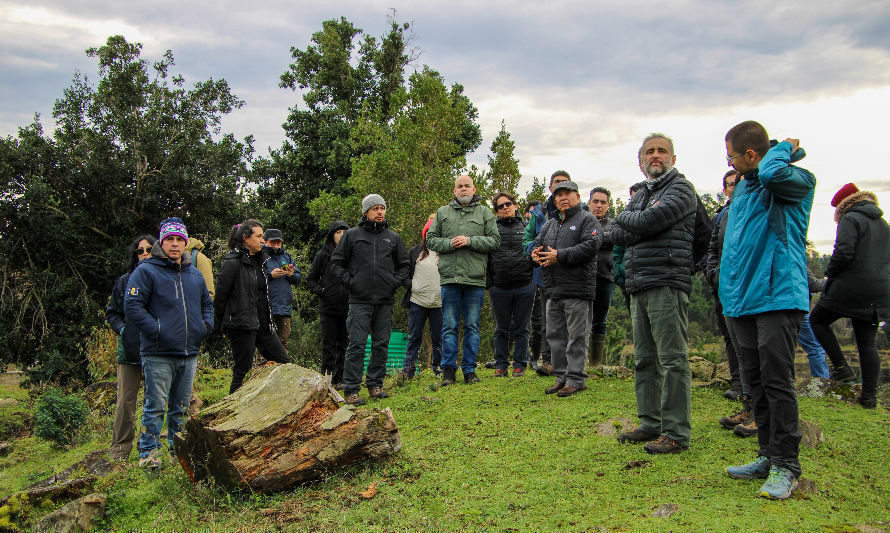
(463, 233)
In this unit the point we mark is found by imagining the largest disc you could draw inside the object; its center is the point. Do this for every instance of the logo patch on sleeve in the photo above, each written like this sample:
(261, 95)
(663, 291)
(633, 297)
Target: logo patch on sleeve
(134, 291)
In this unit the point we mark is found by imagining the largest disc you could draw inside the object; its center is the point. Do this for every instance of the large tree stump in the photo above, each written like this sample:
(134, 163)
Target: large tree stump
(283, 427)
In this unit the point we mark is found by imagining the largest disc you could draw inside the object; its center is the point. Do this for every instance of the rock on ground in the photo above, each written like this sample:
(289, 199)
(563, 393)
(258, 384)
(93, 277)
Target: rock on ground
(79, 515)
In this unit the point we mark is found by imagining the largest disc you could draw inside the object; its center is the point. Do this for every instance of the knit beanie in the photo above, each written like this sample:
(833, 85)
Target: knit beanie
(173, 226)
(372, 200)
(845, 191)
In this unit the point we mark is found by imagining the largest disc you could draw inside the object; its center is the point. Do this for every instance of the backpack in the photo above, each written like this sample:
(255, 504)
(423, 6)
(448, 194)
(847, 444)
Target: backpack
(702, 232)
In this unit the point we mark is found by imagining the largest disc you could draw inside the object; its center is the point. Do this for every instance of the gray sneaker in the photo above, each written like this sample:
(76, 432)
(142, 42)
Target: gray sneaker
(779, 485)
(756, 469)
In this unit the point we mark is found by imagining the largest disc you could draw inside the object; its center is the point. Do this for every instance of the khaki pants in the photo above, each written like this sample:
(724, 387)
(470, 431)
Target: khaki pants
(129, 380)
(282, 324)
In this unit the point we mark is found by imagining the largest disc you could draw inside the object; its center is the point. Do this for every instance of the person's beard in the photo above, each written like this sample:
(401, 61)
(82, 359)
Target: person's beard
(465, 200)
(654, 173)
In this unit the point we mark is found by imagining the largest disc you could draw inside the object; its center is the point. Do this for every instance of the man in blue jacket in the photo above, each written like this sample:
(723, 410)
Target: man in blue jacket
(763, 289)
(168, 302)
(282, 274)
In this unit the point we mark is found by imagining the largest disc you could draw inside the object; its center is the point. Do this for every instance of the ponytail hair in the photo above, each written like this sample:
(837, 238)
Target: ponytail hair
(240, 231)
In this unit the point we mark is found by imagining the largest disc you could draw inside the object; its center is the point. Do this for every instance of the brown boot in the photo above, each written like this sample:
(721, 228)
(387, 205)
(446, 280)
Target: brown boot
(745, 415)
(596, 351)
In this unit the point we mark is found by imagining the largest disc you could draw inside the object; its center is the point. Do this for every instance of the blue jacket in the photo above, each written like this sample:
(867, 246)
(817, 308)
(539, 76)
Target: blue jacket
(280, 294)
(763, 265)
(170, 305)
(128, 343)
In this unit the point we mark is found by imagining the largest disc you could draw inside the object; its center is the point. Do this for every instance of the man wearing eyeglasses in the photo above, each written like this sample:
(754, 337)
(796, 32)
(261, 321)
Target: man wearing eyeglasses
(463, 233)
(657, 227)
(764, 291)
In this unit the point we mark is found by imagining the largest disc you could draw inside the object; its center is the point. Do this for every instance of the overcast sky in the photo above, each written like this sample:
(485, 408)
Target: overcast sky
(579, 84)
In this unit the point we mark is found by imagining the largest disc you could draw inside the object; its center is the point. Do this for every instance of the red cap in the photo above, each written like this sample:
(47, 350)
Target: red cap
(845, 191)
(426, 228)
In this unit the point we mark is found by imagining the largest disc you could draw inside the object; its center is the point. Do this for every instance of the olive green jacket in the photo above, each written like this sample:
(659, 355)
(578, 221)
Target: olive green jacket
(464, 265)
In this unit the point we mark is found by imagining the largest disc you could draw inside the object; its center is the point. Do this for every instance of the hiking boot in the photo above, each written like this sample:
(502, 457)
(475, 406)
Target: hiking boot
(637, 435)
(518, 372)
(378, 393)
(533, 364)
(664, 445)
(490, 365)
(779, 485)
(733, 394)
(354, 399)
(556, 387)
(152, 461)
(401, 378)
(448, 376)
(570, 390)
(739, 417)
(868, 401)
(748, 429)
(756, 469)
(544, 369)
(843, 373)
(500, 373)
(471, 378)
(437, 371)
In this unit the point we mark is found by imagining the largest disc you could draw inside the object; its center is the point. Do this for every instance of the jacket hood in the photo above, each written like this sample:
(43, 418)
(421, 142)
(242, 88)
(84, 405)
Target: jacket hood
(869, 208)
(335, 226)
(473, 202)
(194, 244)
(158, 253)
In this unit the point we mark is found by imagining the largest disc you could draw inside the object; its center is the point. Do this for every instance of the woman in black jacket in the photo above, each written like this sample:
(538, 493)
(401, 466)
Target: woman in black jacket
(511, 291)
(858, 286)
(242, 305)
(333, 305)
(129, 363)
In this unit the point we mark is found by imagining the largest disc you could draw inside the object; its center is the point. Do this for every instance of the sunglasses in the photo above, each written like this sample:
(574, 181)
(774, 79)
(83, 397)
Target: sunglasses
(503, 205)
(140, 251)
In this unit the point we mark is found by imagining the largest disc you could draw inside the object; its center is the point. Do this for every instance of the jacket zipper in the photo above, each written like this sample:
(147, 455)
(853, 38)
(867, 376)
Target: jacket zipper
(268, 296)
(184, 312)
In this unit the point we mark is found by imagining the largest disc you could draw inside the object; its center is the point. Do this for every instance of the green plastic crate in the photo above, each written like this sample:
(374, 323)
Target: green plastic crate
(395, 355)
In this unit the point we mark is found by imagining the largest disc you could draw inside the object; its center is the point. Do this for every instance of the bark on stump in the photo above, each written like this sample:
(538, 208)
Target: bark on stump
(283, 427)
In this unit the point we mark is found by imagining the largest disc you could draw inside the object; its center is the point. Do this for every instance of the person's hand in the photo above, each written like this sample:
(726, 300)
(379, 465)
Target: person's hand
(547, 258)
(291, 269)
(795, 144)
(278, 272)
(460, 241)
(536, 254)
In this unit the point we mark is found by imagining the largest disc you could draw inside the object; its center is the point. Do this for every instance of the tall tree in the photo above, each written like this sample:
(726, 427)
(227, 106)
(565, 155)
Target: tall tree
(503, 168)
(131, 150)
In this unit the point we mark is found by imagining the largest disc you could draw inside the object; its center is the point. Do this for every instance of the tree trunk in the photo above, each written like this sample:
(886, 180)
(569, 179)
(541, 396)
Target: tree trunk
(283, 427)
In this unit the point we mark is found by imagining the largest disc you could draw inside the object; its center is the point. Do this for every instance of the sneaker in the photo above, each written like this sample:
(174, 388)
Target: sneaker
(740, 417)
(570, 390)
(757, 469)
(354, 399)
(471, 378)
(637, 435)
(378, 393)
(779, 485)
(748, 429)
(664, 445)
(518, 372)
(556, 387)
(500, 373)
(489, 365)
(448, 376)
(843, 373)
(544, 369)
(733, 394)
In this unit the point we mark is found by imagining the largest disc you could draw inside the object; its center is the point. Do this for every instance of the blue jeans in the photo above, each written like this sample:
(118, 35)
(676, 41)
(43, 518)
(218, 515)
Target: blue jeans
(168, 387)
(815, 353)
(461, 301)
(512, 310)
(417, 317)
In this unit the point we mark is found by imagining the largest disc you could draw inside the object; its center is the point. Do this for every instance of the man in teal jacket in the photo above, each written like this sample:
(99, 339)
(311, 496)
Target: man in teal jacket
(463, 233)
(763, 289)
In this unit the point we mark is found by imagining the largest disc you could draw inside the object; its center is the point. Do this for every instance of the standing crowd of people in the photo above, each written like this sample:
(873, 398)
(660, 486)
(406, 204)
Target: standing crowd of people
(550, 273)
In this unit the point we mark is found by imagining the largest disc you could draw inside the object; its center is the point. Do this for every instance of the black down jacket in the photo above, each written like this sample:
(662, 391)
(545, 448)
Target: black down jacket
(509, 267)
(333, 298)
(658, 227)
(371, 261)
(604, 261)
(235, 304)
(858, 272)
(576, 238)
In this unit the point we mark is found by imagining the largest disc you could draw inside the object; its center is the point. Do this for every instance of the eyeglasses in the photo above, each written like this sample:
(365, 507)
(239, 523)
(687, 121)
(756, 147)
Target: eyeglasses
(730, 158)
(140, 251)
(503, 205)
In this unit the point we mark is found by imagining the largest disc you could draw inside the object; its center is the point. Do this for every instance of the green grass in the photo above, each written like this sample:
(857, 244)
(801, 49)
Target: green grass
(500, 455)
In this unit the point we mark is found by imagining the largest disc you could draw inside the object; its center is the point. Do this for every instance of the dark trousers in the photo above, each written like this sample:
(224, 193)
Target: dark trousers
(731, 356)
(602, 301)
(334, 338)
(375, 319)
(244, 342)
(766, 342)
(821, 319)
(417, 318)
(512, 309)
(539, 346)
(282, 324)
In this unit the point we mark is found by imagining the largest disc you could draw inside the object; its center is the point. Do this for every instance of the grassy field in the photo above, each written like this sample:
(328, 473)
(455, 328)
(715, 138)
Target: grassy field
(502, 456)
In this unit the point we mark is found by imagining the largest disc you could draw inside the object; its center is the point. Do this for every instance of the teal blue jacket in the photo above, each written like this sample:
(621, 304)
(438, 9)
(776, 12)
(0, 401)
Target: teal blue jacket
(764, 266)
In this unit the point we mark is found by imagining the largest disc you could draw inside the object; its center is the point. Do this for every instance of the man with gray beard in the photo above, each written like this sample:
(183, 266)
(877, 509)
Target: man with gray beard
(658, 227)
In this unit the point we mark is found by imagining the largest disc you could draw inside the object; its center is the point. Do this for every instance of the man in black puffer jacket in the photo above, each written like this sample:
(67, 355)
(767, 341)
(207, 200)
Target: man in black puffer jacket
(658, 227)
(372, 263)
(566, 248)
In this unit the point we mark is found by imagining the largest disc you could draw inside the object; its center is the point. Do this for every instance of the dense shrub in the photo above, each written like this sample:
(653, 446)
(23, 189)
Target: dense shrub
(58, 416)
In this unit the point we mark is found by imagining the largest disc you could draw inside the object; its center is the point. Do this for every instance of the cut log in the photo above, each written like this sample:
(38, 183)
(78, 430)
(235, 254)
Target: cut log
(285, 426)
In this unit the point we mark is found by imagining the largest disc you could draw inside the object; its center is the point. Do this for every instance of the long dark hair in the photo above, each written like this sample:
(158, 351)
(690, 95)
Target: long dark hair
(133, 255)
(239, 231)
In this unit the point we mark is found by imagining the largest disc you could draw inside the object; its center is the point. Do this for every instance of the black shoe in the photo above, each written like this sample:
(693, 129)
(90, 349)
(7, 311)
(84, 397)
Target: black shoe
(437, 371)
(449, 376)
(733, 394)
(637, 435)
(843, 373)
(867, 402)
(471, 378)
(664, 445)
(490, 365)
